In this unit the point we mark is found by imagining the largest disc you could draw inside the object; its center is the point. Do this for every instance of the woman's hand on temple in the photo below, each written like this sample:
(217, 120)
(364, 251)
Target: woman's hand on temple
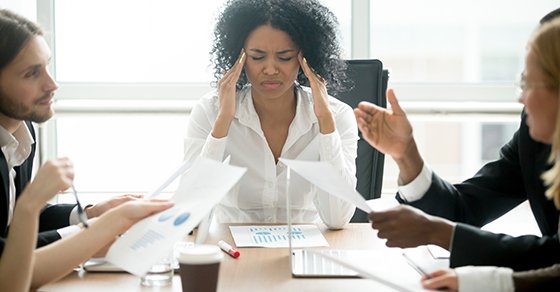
(227, 91)
(320, 97)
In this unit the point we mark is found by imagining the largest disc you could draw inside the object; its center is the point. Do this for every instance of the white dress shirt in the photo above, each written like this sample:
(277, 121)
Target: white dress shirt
(260, 195)
(17, 148)
(416, 189)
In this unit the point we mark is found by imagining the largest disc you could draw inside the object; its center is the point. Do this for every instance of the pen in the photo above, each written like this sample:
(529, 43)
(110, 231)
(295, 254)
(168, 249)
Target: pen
(81, 213)
(229, 249)
(416, 267)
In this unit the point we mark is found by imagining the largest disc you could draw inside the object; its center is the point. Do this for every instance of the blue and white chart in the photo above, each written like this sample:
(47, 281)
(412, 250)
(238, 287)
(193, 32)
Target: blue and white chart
(277, 236)
(152, 238)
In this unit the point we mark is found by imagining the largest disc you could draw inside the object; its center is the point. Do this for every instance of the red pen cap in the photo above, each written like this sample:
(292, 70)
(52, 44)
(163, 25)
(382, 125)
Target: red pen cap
(234, 253)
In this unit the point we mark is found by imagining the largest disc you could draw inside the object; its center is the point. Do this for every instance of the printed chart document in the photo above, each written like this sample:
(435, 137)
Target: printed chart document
(153, 238)
(277, 236)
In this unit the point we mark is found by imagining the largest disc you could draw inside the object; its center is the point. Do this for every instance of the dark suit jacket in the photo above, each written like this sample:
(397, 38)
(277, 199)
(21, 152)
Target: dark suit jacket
(496, 188)
(52, 216)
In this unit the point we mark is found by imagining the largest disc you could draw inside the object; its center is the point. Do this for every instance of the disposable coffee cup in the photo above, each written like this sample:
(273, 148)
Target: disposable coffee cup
(199, 267)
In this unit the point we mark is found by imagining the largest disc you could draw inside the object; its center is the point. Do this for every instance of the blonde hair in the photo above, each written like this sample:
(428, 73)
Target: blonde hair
(545, 45)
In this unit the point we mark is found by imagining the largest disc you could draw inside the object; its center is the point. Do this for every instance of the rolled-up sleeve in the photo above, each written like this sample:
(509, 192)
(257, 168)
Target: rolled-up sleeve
(198, 138)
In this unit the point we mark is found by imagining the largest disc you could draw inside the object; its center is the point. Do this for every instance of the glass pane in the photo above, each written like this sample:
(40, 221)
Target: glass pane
(27, 9)
(470, 142)
(133, 40)
(121, 153)
(343, 12)
(142, 40)
(454, 41)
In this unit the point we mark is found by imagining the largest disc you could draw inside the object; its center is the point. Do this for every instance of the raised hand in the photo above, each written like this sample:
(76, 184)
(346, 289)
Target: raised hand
(389, 131)
(54, 176)
(320, 97)
(227, 93)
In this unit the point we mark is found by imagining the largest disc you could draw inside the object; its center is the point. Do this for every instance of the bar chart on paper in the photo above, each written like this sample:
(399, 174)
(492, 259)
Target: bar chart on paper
(277, 236)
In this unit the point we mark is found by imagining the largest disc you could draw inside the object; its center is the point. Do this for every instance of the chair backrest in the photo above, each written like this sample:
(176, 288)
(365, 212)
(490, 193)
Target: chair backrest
(369, 84)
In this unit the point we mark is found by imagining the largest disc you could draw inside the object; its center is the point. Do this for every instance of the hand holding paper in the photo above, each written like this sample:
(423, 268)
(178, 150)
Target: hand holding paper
(152, 238)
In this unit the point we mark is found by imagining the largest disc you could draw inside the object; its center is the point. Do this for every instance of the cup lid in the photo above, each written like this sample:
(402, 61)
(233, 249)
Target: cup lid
(200, 254)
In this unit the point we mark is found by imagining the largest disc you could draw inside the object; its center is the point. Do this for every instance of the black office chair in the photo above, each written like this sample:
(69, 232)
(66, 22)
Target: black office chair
(369, 84)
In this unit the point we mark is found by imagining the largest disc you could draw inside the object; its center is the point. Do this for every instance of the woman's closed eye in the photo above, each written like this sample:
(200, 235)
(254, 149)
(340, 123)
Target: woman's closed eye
(280, 58)
(257, 58)
(285, 59)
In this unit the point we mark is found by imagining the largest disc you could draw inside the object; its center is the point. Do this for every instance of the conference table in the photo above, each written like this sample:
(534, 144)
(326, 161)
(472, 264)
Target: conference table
(257, 269)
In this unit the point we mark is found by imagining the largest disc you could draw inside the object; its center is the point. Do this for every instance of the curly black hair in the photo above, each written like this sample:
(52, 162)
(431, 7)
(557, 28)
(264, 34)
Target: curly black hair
(311, 26)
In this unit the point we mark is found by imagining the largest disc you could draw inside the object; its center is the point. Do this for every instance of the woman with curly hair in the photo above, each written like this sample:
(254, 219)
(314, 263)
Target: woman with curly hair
(263, 53)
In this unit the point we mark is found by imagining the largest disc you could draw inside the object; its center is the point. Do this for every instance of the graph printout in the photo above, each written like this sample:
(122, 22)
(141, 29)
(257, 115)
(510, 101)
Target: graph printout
(153, 238)
(277, 236)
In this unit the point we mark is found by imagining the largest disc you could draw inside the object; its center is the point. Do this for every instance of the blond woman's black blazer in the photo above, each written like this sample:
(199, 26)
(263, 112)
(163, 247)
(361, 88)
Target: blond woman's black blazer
(496, 188)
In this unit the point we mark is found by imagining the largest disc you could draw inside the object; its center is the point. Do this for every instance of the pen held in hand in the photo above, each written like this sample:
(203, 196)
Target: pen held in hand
(81, 213)
(416, 267)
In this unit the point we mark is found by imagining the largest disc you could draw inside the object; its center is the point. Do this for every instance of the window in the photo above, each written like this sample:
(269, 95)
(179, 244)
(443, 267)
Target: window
(142, 41)
(446, 56)
(113, 59)
(454, 41)
(451, 62)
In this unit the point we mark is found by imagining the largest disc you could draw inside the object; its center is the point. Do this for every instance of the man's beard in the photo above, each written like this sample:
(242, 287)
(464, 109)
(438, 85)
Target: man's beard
(9, 107)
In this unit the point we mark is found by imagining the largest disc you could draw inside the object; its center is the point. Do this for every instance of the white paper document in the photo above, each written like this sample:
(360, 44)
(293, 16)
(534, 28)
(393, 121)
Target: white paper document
(277, 236)
(178, 172)
(324, 176)
(153, 238)
(386, 266)
(383, 203)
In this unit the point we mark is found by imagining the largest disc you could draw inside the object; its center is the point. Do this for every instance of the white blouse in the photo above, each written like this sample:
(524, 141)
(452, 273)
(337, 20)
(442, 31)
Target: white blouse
(260, 195)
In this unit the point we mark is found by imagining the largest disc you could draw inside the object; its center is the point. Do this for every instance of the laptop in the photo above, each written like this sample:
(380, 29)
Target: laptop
(306, 263)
